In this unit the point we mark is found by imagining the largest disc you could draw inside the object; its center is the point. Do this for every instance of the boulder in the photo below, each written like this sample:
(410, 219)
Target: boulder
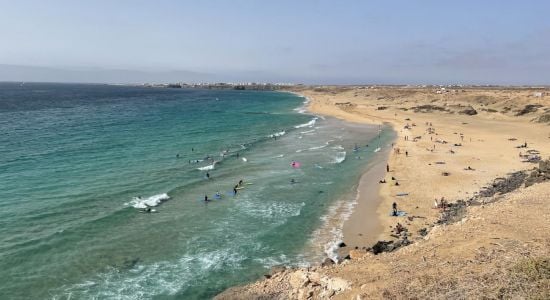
(544, 165)
(335, 284)
(298, 279)
(470, 111)
(327, 262)
(382, 246)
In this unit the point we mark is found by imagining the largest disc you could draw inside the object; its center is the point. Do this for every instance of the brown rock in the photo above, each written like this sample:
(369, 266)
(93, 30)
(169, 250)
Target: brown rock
(327, 262)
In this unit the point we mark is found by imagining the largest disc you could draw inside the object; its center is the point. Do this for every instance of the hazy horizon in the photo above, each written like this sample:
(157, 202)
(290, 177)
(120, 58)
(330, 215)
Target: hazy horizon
(310, 42)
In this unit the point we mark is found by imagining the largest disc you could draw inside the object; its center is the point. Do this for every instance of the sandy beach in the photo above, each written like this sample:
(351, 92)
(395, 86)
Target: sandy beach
(451, 144)
(363, 226)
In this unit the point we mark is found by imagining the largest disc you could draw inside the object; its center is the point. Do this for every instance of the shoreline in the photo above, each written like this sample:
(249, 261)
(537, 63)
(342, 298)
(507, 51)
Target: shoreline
(363, 227)
(454, 146)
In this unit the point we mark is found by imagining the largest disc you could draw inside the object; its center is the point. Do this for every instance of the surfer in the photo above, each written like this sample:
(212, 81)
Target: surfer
(240, 183)
(235, 190)
(206, 198)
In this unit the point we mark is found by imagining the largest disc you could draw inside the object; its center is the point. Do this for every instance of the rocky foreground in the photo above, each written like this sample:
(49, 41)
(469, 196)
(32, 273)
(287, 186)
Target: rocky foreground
(494, 246)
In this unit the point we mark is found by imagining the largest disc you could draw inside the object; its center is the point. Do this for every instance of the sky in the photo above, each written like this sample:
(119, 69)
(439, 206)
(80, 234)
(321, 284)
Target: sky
(338, 42)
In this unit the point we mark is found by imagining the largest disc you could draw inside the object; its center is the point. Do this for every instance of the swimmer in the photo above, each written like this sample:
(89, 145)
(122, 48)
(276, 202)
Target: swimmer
(292, 181)
(206, 198)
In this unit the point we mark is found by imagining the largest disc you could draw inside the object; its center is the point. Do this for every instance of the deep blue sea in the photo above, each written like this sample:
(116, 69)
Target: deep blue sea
(79, 165)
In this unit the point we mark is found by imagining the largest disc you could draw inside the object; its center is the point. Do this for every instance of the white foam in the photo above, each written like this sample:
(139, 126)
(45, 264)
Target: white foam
(279, 156)
(338, 147)
(318, 147)
(307, 131)
(340, 157)
(308, 124)
(206, 168)
(277, 212)
(169, 277)
(302, 109)
(244, 159)
(154, 200)
(330, 234)
(280, 133)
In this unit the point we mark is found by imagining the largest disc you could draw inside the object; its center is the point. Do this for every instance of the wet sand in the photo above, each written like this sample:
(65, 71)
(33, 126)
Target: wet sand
(363, 226)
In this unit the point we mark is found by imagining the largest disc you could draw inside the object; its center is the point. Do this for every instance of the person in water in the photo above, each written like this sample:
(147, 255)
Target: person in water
(240, 183)
(207, 175)
(235, 190)
(292, 181)
(206, 198)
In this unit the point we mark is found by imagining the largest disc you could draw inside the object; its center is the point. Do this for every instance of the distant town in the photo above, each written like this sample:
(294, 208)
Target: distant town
(225, 85)
(264, 86)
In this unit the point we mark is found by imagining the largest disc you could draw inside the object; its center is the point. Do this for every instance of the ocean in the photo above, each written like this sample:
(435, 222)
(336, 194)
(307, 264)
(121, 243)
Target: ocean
(80, 163)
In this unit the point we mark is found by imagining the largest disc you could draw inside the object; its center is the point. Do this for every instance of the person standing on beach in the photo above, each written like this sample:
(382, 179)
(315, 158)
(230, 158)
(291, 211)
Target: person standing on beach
(394, 207)
(387, 168)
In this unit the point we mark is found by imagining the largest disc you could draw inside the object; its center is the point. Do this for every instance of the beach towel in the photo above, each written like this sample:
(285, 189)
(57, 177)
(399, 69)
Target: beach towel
(400, 213)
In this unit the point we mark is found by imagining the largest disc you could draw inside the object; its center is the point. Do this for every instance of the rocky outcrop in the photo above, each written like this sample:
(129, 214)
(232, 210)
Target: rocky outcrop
(470, 111)
(540, 174)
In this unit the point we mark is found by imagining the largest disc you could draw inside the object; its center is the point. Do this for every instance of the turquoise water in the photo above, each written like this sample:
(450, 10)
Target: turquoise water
(74, 159)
